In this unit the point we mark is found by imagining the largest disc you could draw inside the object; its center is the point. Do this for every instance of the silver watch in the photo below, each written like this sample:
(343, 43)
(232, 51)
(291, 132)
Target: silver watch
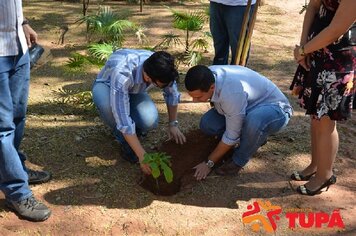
(173, 123)
(210, 163)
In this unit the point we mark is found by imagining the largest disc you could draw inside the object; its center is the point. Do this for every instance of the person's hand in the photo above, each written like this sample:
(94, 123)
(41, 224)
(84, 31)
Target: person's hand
(30, 34)
(146, 169)
(296, 53)
(176, 134)
(304, 61)
(201, 171)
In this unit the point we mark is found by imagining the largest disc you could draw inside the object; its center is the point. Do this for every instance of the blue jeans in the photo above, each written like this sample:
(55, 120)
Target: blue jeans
(143, 111)
(259, 123)
(14, 86)
(225, 25)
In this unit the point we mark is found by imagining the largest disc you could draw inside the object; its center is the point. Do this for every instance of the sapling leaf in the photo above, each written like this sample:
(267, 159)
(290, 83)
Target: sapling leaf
(147, 158)
(167, 171)
(155, 170)
(156, 173)
(159, 162)
(165, 159)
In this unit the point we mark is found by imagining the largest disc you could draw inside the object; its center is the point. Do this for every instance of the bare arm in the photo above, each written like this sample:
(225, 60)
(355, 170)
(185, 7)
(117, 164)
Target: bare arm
(312, 10)
(202, 170)
(220, 150)
(30, 34)
(136, 146)
(173, 131)
(172, 112)
(344, 17)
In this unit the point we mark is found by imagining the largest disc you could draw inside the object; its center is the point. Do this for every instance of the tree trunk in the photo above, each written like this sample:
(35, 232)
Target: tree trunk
(187, 42)
(85, 7)
(62, 31)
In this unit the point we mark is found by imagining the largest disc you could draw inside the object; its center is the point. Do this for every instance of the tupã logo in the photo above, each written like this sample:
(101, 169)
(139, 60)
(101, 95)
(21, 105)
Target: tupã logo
(255, 218)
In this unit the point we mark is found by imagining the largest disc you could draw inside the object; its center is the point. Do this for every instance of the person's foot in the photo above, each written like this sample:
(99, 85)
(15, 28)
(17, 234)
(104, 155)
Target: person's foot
(38, 177)
(305, 174)
(315, 186)
(299, 177)
(228, 168)
(29, 209)
(314, 183)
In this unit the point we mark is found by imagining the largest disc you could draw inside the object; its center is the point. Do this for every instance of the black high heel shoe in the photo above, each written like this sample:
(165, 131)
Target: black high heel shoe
(298, 177)
(304, 191)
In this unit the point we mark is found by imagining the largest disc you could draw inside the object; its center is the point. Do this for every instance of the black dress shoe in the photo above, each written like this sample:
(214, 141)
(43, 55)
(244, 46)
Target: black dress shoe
(304, 191)
(229, 168)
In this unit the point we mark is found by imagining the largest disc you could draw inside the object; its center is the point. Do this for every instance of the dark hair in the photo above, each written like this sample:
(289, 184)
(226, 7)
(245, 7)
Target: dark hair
(160, 66)
(199, 78)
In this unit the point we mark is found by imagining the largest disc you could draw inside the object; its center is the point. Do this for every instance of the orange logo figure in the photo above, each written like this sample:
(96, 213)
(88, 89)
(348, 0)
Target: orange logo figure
(253, 216)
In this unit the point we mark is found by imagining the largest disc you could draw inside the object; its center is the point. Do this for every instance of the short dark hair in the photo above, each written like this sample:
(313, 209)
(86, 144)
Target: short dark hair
(160, 66)
(199, 78)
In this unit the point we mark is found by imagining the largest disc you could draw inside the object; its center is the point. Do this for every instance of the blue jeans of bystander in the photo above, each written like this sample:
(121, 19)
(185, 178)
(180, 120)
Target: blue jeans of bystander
(14, 86)
(225, 25)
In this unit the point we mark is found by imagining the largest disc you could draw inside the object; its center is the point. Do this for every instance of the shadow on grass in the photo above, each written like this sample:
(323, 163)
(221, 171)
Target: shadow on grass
(51, 75)
(59, 109)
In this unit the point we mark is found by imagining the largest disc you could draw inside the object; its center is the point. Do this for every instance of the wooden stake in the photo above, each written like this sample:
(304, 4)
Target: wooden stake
(242, 35)
(247, 41)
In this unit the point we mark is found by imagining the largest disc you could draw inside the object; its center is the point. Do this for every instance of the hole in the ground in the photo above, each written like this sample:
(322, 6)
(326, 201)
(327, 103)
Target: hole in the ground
(184, 158)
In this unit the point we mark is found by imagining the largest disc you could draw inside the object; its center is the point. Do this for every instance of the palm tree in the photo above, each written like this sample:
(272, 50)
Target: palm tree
(109, 29)
(108, 26)
(191, 22)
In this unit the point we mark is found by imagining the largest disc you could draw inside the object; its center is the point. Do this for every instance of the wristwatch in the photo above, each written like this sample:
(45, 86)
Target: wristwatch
(301, 51)
(173, 123)
(210, 163)
(25, 22)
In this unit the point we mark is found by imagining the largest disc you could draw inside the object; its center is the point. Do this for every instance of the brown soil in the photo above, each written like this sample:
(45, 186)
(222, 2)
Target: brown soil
(184, 158)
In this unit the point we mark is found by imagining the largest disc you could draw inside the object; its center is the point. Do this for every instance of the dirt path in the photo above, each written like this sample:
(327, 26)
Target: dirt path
(95, 192)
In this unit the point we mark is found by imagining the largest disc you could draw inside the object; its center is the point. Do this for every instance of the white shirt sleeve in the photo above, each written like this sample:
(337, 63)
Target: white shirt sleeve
(235, 112)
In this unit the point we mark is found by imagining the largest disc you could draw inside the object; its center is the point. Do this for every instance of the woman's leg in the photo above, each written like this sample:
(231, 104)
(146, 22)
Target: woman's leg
(325, 146)
(311, 168)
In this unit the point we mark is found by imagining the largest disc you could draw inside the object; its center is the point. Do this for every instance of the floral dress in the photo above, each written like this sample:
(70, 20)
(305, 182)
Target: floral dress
(329, 87)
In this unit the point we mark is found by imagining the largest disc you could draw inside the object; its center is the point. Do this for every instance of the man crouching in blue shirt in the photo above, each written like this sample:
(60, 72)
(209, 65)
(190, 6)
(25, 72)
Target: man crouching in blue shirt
(120, 95)
(247, 108)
